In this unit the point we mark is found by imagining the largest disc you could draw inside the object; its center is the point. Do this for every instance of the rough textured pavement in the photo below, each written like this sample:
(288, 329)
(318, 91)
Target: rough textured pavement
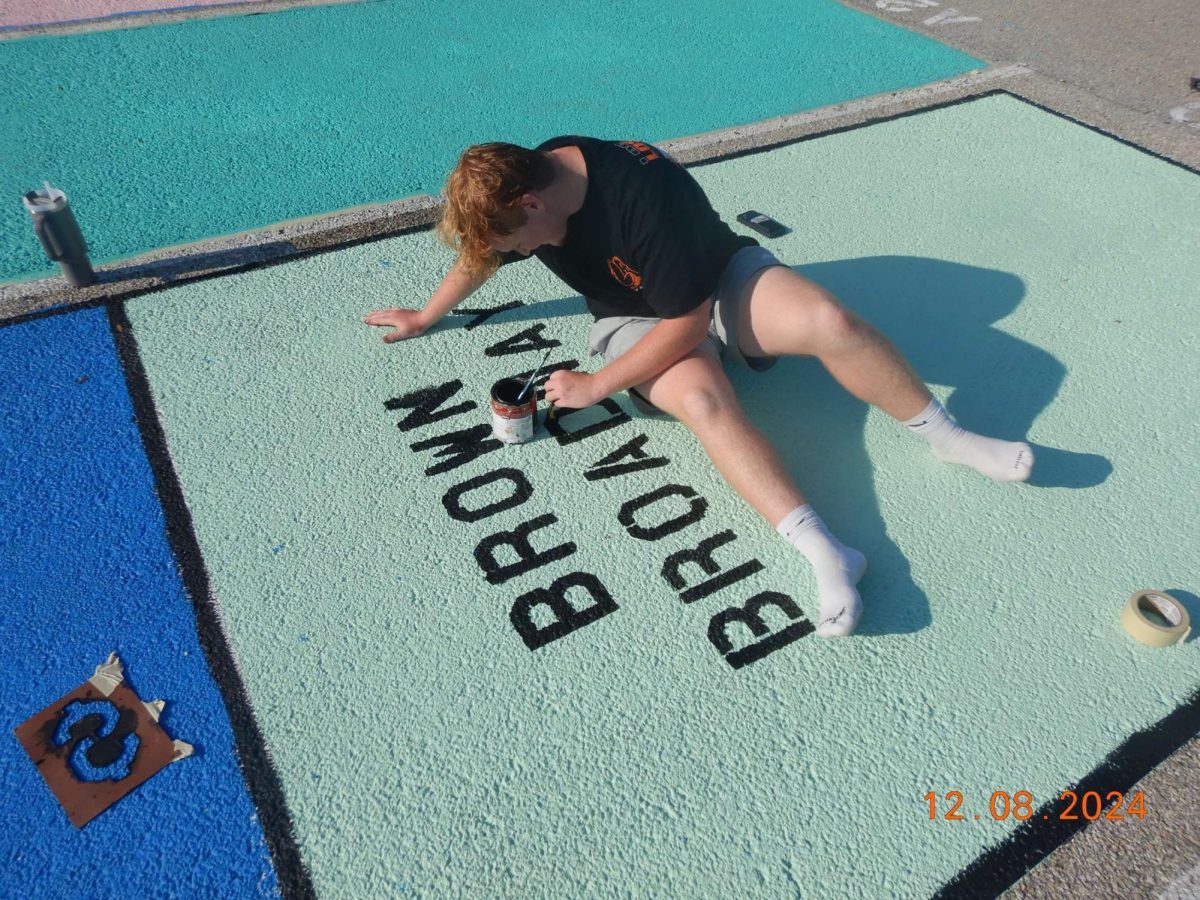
(1130, 69)
(1126, 72)
(1126, 68)
(1156, 858)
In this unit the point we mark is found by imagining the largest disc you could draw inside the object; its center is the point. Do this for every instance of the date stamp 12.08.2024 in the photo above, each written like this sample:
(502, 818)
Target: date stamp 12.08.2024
(1019, 805)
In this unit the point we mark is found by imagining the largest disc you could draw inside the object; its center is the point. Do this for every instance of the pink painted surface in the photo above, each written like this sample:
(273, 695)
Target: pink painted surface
(39, 12)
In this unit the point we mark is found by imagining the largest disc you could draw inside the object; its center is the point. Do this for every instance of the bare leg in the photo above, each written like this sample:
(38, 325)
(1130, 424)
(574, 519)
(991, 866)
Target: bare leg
(784, 314)
(696, 391)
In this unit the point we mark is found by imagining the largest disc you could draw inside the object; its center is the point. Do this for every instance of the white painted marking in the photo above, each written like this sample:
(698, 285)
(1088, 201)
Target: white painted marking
(950, 17)
(1181, 114)
(904, 6)
(829, 117)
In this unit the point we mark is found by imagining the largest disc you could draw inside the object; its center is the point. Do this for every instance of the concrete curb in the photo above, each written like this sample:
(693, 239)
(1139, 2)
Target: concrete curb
(284, 240)
(222, 255)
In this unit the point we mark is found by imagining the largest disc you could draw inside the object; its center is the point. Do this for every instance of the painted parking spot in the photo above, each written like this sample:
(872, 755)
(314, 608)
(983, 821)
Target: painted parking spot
(173, 133)
(449, 720)
(85, 569)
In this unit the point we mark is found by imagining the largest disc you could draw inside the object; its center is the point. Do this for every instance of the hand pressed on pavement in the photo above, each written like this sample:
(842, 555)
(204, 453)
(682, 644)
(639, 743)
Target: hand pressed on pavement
(409, 323)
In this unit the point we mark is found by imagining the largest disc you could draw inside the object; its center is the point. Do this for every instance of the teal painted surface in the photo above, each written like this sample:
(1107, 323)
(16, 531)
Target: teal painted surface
(423, 748)
(174, 133)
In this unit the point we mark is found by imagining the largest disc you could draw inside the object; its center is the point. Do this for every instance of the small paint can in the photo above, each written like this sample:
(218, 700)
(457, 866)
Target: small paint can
(513, 419)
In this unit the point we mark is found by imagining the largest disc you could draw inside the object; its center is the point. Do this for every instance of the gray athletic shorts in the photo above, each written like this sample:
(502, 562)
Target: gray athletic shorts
(614, 335)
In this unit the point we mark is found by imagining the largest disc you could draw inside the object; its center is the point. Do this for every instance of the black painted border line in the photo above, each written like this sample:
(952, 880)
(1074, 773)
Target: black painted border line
(769, 145)
(1007, 862)
(59, 310)
(258, 769)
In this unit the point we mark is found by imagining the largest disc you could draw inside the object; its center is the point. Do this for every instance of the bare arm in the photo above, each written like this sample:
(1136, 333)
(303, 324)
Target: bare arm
(454, 289)
(659, 349)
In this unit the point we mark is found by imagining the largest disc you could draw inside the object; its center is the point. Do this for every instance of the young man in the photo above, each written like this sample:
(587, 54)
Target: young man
(672, 289)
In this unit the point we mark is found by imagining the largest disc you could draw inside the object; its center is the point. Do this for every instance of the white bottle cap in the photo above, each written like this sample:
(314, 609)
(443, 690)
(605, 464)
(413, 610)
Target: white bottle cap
(45, 200)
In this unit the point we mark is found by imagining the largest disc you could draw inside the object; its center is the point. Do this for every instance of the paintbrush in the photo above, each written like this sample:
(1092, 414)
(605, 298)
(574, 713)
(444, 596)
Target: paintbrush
(545, 357)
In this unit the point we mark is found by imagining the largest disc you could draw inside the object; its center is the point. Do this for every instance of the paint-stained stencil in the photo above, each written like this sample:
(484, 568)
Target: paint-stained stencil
(97, 743)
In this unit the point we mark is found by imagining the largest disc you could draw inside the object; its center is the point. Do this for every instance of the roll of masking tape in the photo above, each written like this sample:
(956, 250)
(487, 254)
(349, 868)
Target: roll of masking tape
(1144, 612)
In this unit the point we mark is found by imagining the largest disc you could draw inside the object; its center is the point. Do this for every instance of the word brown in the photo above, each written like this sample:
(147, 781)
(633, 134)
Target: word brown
(511, 555)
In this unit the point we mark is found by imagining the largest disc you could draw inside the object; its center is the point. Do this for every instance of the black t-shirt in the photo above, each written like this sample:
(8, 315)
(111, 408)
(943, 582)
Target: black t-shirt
(646, 241)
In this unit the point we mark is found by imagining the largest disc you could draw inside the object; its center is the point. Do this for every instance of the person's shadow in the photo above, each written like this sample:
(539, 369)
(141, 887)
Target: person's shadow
(939, 315)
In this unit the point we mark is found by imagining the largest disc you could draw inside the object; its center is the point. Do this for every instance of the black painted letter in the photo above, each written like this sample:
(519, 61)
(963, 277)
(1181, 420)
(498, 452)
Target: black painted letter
(749, 615)
(618, 417)
(522, 490)
(461, 446)
(482, 315)
(521, 342)
(611, 465)
(518, 539)
(424, 402)
(703, 557)
(696, 512)
(568, 617)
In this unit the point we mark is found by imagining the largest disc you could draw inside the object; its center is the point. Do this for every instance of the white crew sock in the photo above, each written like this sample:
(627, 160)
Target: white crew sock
(998, 460)
(837, 567)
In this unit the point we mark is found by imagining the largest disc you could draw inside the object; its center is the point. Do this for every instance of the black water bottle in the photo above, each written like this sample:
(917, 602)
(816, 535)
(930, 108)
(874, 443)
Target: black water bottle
(56, 228)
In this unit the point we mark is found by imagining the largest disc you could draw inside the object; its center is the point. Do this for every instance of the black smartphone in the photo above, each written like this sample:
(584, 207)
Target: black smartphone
(762, 224)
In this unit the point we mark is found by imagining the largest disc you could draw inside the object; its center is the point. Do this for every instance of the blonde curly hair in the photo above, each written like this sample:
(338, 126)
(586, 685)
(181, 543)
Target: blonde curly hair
(483, 194)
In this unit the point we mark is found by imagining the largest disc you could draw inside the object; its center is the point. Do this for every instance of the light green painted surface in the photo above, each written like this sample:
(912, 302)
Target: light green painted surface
(1039, 274)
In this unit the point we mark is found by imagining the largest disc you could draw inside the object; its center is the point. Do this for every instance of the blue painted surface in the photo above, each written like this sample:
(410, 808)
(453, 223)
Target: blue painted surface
(172, 133)
(85, 569)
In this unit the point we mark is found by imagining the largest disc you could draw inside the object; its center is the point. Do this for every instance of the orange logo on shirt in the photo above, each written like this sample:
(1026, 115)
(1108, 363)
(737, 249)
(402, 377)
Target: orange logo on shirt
(644, 151)
(623, 274)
